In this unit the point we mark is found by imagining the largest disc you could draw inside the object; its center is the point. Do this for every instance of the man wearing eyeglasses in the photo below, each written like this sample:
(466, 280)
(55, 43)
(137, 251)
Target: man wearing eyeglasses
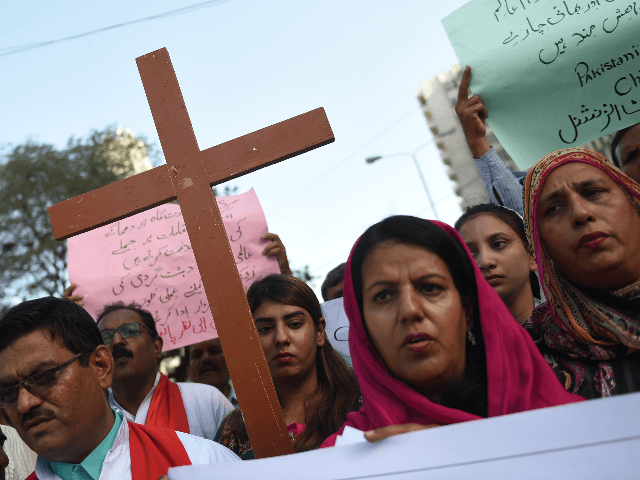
(54, 370)
(143, 394)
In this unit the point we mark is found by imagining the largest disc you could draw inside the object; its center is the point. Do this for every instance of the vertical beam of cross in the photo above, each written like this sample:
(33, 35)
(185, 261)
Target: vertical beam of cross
(225, 293)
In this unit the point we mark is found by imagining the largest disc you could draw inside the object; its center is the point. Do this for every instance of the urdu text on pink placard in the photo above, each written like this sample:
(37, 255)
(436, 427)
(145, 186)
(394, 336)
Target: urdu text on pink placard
(147, 259)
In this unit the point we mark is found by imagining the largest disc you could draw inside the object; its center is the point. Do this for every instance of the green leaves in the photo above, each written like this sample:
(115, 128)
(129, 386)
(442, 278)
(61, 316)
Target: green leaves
(34, 176)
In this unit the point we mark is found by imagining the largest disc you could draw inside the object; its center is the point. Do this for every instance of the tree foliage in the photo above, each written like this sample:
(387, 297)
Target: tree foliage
(34, 176)
(305, 275)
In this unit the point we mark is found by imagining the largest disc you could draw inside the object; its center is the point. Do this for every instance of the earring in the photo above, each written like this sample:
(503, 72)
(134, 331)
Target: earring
(471, 337)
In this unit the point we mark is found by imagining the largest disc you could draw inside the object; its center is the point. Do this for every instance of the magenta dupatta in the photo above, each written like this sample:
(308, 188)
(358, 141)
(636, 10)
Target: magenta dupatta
(518, 377)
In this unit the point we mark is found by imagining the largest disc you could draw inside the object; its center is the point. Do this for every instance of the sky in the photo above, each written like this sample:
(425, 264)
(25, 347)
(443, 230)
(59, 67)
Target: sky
(243, 65)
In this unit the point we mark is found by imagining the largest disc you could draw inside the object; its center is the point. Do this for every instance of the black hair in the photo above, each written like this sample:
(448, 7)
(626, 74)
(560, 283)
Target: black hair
(513, 220)
(470, 395)
(287, 290)
(614, 144)
(333, 278)
(66, 322)
(147, 318)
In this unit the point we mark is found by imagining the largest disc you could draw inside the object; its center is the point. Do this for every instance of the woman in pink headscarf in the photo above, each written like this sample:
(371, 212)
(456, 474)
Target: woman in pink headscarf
(431, 342)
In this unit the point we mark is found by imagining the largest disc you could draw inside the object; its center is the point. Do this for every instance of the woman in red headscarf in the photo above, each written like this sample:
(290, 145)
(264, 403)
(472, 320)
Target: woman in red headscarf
(431, 342)
(584, 227)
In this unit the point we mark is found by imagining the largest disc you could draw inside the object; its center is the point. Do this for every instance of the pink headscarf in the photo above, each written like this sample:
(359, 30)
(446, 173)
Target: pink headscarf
(518, 377)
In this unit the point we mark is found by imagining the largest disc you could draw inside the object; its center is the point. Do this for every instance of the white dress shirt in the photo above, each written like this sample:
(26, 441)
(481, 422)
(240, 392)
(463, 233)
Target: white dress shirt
(205, 405)
(117, 464)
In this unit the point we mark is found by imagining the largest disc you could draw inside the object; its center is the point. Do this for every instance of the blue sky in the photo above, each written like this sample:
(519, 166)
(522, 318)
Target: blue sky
(243, 65)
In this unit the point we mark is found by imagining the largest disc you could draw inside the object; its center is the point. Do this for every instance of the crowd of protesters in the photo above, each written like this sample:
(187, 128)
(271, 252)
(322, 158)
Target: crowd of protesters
(531, 301)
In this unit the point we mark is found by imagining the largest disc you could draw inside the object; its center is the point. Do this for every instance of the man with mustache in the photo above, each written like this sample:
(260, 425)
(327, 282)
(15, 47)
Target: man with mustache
(207, 365)
(143, 394)
(54, 371)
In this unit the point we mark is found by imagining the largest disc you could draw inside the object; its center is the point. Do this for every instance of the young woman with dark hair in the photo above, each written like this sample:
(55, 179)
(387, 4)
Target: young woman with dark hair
(497, 241)
(315, 387)
(431, 342)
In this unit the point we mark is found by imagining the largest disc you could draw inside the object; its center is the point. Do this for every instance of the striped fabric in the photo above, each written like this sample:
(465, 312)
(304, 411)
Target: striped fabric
(21, 459)
(500, 182)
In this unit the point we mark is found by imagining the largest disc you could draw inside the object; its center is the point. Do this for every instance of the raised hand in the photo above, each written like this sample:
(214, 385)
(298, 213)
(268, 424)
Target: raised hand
(68, 293)
(472, 114)
(275, 248)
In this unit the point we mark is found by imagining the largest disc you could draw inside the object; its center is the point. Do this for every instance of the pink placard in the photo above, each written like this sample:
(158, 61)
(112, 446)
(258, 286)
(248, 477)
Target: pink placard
(147, 259)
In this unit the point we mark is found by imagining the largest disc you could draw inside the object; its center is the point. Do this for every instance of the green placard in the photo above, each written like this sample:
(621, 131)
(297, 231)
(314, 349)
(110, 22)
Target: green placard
(553, 74)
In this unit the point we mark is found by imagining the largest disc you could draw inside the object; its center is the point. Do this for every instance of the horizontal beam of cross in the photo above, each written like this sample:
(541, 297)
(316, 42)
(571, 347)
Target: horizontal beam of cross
(223, 162)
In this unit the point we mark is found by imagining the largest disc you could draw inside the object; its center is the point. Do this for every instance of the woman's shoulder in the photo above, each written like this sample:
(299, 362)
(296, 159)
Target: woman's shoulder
(534, 326)
(596, 379)
(233, 435)
(540, 311)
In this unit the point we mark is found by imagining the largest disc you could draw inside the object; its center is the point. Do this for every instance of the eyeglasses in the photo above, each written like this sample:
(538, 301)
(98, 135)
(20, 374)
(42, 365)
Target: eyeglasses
(35, 384)
(127, 330)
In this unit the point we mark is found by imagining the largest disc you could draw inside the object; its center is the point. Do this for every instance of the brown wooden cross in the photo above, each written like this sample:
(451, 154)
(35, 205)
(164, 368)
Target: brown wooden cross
(188, 176)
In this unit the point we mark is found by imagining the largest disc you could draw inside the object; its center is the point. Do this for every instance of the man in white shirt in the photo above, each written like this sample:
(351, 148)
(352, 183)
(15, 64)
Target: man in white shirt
(207, 365)
(143, 394)
(54, 371)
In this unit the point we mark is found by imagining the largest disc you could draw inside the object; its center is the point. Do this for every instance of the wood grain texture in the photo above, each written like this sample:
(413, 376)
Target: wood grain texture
(223, 162)
(238, 335)
(188, 176)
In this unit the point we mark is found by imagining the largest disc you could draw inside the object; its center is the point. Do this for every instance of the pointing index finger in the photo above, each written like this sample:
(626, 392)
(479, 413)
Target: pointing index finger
(463, 91)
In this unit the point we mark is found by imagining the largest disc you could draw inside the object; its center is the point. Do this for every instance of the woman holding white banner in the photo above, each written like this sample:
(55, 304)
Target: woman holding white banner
(583, 223)
(431, 342)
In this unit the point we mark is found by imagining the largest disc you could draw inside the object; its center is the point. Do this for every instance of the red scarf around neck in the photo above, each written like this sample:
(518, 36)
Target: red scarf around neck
(167, 408)
(153, 452)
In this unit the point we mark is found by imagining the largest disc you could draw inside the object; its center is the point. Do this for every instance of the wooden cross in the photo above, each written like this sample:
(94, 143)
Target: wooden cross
(188, 176)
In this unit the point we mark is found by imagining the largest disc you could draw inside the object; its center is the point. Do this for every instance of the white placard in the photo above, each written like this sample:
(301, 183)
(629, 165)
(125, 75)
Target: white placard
(350, 436)
(595, 439)
(337, 327)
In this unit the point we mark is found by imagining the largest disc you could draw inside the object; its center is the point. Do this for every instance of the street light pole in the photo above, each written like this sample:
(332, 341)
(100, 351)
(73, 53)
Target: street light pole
(424, 184)
(415, 161)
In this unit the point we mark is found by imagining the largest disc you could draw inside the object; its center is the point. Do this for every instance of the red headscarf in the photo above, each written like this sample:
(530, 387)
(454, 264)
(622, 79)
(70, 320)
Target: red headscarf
(518, 377)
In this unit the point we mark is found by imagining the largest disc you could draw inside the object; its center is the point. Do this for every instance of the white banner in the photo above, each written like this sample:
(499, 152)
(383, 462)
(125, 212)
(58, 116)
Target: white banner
(595, 439)
(337, 327)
